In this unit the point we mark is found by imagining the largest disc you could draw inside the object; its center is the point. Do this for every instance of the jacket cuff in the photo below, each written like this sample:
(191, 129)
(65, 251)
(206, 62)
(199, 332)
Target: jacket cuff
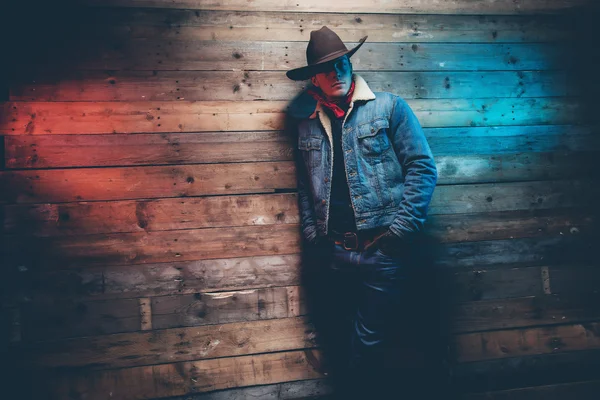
(310, 233)
(400, 234)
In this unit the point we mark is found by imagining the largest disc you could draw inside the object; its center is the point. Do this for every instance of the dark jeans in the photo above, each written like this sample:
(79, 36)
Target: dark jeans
(362, 314)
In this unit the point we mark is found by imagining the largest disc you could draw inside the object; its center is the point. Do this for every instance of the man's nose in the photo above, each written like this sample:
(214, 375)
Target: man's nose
(338, 71)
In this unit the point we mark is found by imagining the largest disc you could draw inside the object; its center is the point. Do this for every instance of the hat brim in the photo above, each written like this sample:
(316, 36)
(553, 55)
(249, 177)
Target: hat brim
(304, 73)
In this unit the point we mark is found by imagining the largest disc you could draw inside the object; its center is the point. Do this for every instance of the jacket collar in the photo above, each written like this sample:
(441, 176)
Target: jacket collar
(362, 92)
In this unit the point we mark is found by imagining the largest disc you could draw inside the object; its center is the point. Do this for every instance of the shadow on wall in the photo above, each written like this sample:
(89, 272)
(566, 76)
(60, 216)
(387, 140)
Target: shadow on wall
(48, 40)
(581, 54)
(49, 37)
(415, 361)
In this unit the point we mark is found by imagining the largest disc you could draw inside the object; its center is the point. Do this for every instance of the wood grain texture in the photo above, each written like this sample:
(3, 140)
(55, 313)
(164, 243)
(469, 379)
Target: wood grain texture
(521, 372)
(525, 311)
(514, 343)
(151, 215)
(226, 307)
(120, 183)
(508, 225)
(179, 277)
(82, 218)
(34, 118)
(54, 317)
(147, 182)
(173, 345)
(185, 116)
(500, 281)
(580, 390)
(43, 151)
(307, 389)
(52, 151)
(378, 6)
(145, 314)
(250, 25)
(189, 377)
(48, 318)
(557, 250)
(215, 308)
(210, 243)
(152, 247)
(272, 85)
(165, 54)
(276, 334)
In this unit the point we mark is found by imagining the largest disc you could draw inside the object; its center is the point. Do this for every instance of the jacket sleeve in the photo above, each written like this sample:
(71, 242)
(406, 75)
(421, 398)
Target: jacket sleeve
(305, 206)
(419, 168)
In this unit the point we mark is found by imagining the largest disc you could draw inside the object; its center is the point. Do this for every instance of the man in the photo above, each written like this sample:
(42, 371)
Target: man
(365, 179)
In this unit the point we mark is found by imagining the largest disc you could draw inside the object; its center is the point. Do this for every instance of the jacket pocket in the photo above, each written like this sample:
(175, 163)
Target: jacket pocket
(311, 150)
(372, 137)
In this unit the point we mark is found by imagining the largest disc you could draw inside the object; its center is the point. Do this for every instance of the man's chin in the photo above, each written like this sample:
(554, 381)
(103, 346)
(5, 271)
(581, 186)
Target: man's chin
(339, 92)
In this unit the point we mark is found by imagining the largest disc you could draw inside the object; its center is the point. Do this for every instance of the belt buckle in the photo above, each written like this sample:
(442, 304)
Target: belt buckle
(349, 235)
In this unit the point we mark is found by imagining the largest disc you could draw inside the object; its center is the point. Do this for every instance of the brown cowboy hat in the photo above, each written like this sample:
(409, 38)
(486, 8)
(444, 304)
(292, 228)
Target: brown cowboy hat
(324, 46)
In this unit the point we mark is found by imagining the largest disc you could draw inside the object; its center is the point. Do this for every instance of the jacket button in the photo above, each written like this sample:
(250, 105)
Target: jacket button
(372, 129)
(323, 201)
(326, 179)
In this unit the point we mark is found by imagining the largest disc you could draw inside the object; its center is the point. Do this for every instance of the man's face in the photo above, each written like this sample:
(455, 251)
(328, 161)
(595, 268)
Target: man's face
(335, 79)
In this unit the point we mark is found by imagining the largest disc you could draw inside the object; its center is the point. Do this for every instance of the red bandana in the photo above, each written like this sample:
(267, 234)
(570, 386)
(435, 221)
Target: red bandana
(337, 110)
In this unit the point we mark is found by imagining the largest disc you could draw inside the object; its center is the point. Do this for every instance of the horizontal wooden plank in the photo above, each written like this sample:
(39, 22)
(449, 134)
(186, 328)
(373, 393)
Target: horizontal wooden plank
(508, 225)
(52, 151)
(524, 311)
(164, 246)
(55, 317)
(578, 390)
(299, 390)
(321, 390)
(531, 195)
(42, 151)
(476, 271)
(166, 54)
(135, 23)
(147, 182)
(519, 372)
(562, 249)
(188, 116)
(226, 307)
(562, 280)
(187, 377)
(83, 218)
(49, 318)
(261, 26)
(183, 378)
(151, 215)
(277, 333)
(179, 277)
(271, 85)
(171, 345)
(514, 343)
(210, 243)
(378, 6)
(493, 282)
(121, 183)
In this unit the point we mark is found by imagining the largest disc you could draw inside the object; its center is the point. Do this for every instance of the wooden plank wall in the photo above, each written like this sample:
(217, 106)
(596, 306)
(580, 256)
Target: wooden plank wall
(150, 225)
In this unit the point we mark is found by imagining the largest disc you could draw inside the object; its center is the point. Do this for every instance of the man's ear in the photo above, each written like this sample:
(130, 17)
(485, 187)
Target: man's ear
(314, 81)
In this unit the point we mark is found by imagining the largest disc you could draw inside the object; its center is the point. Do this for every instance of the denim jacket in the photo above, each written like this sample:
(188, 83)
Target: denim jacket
(390, 170)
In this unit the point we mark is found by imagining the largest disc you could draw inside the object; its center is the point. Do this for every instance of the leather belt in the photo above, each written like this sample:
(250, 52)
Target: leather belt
(355, 241)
